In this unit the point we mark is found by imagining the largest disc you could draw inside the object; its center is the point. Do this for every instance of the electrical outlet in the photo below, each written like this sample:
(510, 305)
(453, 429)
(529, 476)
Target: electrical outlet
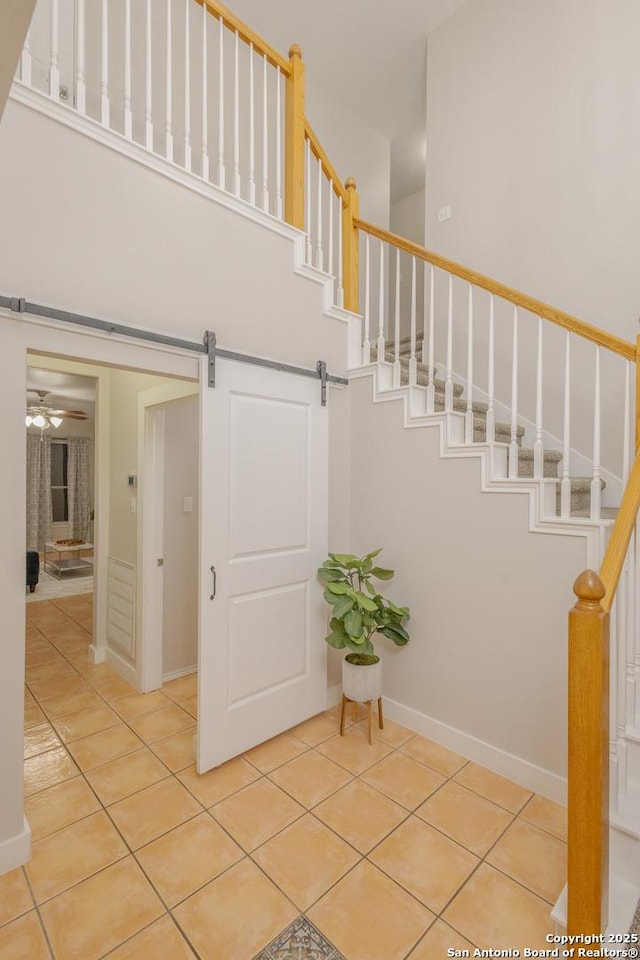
(444, 213)
(188, 505)
(132, 505)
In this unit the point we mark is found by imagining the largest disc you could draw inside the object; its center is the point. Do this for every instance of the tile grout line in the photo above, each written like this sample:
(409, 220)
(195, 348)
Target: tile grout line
(267, 776)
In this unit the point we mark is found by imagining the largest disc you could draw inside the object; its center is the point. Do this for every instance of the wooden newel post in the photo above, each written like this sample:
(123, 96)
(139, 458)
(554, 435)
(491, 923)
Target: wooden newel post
(294, 141)
(588, 847)
(350, 248)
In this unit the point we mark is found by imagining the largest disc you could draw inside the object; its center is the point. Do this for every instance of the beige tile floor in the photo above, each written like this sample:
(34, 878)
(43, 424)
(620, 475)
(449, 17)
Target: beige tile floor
(397, 850)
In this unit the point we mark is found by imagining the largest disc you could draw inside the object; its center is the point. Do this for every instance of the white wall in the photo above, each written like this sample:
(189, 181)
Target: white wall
(180, 553)
(532, 140)
(14, 23)
(123, 460)
(355, 149)
(489, 600)
(407, 217)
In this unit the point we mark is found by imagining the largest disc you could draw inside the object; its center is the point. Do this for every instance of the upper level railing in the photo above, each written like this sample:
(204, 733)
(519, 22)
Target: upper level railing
(188, 80)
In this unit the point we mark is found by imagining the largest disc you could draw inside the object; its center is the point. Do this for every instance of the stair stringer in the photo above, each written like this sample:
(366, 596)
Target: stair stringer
(493, 461)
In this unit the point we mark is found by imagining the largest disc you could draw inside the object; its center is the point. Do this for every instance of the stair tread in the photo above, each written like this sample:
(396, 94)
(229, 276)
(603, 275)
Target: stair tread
(606, 513)
(527, 453)
(580, 484)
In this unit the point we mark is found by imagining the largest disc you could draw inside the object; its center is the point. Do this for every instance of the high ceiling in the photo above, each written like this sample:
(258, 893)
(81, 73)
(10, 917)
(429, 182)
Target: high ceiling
(371, 55)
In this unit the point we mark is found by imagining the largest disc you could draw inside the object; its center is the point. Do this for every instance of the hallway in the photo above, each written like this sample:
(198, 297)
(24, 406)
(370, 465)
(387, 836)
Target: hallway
(397, 850)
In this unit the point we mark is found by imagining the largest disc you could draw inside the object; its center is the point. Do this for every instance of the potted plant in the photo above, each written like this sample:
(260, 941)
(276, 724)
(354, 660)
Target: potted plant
(359, 612)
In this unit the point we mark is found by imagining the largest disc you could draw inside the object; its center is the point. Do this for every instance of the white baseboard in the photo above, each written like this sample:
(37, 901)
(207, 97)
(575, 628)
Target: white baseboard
(334, 695)
(97, 654)
(117, 663)
(14, 851)
(527, 774)
(176, 674)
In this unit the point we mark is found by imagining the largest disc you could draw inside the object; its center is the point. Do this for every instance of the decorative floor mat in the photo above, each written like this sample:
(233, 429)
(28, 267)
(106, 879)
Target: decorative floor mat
(300, 941)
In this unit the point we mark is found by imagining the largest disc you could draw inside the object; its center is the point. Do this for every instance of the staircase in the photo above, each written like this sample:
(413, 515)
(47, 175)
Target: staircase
(580, 504)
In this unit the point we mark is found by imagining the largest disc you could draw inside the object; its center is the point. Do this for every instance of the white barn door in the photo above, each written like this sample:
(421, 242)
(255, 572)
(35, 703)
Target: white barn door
(264, 516)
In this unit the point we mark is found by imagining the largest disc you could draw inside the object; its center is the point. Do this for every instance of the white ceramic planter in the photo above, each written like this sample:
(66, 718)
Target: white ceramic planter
(362, 683)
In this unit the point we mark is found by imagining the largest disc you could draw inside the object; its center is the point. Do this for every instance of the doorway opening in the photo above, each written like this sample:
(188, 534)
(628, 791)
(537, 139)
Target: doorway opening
(87, 636)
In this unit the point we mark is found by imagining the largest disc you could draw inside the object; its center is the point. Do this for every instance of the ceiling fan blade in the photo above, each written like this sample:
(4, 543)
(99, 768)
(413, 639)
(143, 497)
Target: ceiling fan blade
(69, 414)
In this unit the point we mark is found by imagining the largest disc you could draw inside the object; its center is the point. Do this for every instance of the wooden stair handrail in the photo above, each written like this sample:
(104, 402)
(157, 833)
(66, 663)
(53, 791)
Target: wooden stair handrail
(623, 528)
(608, 340)
(327, 166)
(235, 24)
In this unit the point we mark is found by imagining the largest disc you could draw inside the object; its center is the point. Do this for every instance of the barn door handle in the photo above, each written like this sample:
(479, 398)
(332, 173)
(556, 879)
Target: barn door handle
(215, 583)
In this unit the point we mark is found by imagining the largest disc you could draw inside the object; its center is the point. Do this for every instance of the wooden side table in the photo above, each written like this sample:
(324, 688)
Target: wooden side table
(369, 705)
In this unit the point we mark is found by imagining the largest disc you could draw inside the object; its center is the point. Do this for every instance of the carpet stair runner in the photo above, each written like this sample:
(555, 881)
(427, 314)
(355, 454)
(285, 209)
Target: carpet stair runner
(580, 486)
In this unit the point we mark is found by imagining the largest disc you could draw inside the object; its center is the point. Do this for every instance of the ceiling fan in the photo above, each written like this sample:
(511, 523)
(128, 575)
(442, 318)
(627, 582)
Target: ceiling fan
(44, 416)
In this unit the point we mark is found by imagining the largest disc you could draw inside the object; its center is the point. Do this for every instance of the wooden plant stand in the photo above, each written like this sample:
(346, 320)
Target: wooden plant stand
(368, 704)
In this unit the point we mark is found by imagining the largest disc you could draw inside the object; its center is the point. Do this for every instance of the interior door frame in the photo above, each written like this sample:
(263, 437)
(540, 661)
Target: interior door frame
(151, 458)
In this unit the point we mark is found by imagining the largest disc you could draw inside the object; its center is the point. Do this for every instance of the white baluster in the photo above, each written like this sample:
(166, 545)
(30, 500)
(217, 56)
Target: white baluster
(168, 117)
(614, 765)
(236, 119)
(620, 667)
(468, 418)
(538, 448)
(448, 387)
(205, 97)
(330, 268)
(265, 135)
(340, 282)
(425, 314)
(431, 388)
(252, 132)
(308, 244)
(128, 116)
(221, 169)
(319, 253)
(148, 93)
(596, 493)
(491, 401)
(626, 436)
(187, 87)
(514, 449)
(565, 485)
(104, 66)
(366, 353)
(413, 362)
(54, 60)
(635, 590)
(380, 344)
(630, 636)
(279, 147)
(80, 93)
(25, 60)
(397, 366)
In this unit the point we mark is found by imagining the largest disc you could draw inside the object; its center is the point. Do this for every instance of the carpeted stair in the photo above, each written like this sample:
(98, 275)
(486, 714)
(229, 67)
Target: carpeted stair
(580, 486)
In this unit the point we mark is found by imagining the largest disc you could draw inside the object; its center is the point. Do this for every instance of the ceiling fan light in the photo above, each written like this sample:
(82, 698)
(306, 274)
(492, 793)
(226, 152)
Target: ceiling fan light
(28, 420)
(39, 421)
(56, 421)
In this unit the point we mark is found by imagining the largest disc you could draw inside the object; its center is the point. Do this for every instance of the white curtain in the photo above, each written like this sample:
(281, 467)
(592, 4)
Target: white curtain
(79, 495)
(39, 510)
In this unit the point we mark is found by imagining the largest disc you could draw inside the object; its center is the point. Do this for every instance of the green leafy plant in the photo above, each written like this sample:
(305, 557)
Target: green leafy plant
(359, 611)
